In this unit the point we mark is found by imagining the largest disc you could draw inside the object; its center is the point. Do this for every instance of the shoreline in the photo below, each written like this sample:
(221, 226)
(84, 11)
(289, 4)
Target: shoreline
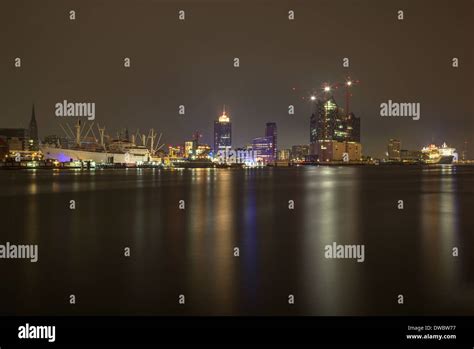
(19, 166)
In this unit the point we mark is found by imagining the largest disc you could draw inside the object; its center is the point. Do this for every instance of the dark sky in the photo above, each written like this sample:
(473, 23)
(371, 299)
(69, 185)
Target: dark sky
(191, 63)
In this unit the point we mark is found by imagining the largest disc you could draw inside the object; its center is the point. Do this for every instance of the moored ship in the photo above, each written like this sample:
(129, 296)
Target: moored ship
(438, 155)
(118, 151)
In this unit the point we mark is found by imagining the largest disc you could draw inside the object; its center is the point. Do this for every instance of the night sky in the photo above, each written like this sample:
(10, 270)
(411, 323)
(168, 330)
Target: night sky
(191, 63)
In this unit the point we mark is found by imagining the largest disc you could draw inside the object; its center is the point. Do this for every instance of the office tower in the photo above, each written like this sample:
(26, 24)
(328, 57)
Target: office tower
(333, 132)
(222, 132)
(271, 131)
(393, 149)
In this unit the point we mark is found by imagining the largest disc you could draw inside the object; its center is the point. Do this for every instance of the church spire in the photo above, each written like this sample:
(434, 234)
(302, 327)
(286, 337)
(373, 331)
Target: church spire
(33, 128)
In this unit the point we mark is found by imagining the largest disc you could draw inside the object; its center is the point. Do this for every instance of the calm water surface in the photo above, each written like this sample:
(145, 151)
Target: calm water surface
(190, 251)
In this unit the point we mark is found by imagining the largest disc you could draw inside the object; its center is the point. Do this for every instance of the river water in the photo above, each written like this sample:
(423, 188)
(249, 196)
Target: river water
(281, 251)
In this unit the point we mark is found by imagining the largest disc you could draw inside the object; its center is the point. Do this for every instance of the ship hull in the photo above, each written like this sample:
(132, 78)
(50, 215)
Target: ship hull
(442, 160)
(66, 155)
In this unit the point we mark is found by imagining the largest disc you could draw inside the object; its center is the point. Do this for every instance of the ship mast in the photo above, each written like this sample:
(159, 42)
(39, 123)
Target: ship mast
(152, 136)
(102, 133)
(78, 132)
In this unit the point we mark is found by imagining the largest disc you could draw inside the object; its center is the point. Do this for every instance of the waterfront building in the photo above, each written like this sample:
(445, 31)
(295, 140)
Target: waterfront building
(271, 131)
(393, 150)
(284, 154)
(333, 132)
(175, 151)
(21, 139)
(263, 149)
(203, 151)
(15, 138)
(331, 150)
(188, 149)
(299, 152)
(222, 132)
(410, 155)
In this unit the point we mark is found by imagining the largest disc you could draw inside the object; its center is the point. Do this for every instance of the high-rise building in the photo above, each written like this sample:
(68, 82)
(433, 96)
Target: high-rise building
(263, 149)
(333, 132)
(271, 131)
(222, 132)
(393, 149)
(328, 122)
(33, 132)
(323, 120)
(352, 125)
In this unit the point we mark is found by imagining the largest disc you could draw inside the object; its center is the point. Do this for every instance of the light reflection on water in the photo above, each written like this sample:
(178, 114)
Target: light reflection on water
(440, 228)
(281, 251)
(332, 216)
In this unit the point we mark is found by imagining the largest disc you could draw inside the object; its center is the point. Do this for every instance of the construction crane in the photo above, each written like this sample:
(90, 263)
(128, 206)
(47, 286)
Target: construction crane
(347, 85)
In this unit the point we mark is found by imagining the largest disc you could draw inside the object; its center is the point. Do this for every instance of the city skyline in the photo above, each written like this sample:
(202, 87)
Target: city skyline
(317, 104)
(251, 164)
(271, 76)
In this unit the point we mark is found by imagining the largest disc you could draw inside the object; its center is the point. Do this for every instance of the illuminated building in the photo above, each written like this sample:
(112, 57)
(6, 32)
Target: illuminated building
(331, 150)
(263, 149)
(410, 155)
(352, 125)
(175, 152)
(333, 133)
(393, 150)
(353, 150)
(271, 131)
(299, 152)
(243, 156)
(222, 132)
(21, 139)
(203, 151)
(188, 149)
(284, 154)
